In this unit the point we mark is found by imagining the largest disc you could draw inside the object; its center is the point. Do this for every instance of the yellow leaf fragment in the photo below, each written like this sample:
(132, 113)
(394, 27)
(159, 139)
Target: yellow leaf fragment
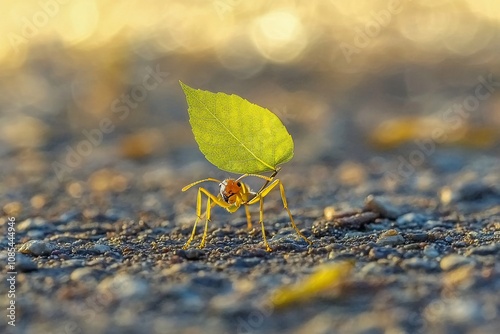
(325, 278)
(402, 130)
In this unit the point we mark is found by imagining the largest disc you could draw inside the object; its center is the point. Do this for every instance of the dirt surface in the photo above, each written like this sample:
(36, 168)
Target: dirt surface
(105, 256)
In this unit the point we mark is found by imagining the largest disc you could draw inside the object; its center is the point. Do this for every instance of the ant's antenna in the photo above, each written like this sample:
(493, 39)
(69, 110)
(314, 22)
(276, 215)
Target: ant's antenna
(200, 181)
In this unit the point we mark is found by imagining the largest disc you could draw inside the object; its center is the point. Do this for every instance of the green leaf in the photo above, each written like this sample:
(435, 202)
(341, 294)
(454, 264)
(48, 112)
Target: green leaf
(236, 135)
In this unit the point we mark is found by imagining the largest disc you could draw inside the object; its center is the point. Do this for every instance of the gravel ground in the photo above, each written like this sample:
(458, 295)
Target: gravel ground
(105, 255)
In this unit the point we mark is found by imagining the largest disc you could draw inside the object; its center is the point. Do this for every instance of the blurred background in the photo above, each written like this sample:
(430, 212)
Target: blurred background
(89, 88)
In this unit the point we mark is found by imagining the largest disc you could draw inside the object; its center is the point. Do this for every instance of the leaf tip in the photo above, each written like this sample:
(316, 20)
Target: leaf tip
(185, 87)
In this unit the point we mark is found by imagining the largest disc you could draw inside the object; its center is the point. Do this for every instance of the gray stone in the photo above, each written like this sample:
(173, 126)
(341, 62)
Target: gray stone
(466, 191)
(431, 251)
(69, 216)
(124, 286)
(418, 264)
(83, 274)
(372, 269)
(430, 224)
(245, 262)
(35, 234)
(484, 250)
(380, 252)
(73, 263)
(456, 311)
(194, 254)
(383, 206)
(100, 248)
(389, 239)
(25, 264)
(37, 247)
(417, 236)
(411, 220)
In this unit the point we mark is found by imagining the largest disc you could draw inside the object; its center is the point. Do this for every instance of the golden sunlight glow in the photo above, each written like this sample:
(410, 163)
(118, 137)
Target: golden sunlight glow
(279, 36)
(83, 20)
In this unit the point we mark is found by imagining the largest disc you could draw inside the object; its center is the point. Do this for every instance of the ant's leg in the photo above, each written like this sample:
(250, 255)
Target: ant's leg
(249, 218)
(198, 217)
(266, 191)
(285, 205)
(212, 200)
(207, 219)
(262, 224)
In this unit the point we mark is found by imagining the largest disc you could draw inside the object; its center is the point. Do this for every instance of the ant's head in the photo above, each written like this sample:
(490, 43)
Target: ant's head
(229, 188)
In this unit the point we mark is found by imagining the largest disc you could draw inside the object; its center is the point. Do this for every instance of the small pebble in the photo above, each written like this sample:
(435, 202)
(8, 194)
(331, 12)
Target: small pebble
(418, 264)
(455, 311)
(463, 277)
(410, 220)
(227, 305)
(431, 251)
(245, 262)
(417, 236)
(484, 250)
(37, 247)
(35, 234)
(12, 208)
(333, 256)
(83, 274)
(287, 235)
(73, 263)
(193, 254)
(412, 246)
(210, 281)
(356, 221)
(25, 264)
(466, 191)
(36, 223)
(430, 224)
(100, 248)
(70, 216)
(377, 253)
(383, 206)
(251, 252)
(390, 238)
(329, 213)
(453, 261)
(124, 286)
(372, 268)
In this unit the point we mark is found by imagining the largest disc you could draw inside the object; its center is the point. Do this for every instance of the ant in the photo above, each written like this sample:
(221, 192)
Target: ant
(232, 195)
